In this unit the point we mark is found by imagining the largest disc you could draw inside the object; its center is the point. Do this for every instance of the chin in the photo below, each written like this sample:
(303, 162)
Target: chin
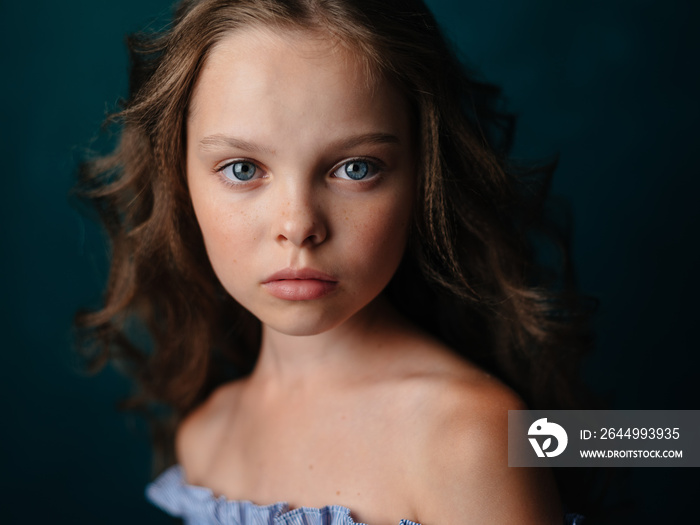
(304, 323)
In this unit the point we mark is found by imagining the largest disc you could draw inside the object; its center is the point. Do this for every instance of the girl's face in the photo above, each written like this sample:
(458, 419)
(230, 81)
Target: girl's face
(298, 163)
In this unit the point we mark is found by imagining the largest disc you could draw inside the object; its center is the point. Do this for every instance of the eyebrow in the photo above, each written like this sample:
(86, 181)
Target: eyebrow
(213, 142)
(367, 138)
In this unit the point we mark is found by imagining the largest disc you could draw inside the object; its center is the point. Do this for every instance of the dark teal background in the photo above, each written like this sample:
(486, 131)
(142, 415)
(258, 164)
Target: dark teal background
(611, 86)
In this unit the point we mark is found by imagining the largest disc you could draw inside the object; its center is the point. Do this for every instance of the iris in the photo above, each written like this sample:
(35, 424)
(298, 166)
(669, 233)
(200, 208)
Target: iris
(357, 169)
(243, 170)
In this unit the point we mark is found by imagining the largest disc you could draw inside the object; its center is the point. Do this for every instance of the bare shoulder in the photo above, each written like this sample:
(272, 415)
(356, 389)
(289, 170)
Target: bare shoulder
(201, 430)
(460, 467)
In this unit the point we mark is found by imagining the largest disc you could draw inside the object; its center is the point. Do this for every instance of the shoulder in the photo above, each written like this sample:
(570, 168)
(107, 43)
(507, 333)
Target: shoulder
(199, 433)
(459, 458)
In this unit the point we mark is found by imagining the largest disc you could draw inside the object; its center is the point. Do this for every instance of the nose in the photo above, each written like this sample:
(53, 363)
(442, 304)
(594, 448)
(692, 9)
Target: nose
(301, 220)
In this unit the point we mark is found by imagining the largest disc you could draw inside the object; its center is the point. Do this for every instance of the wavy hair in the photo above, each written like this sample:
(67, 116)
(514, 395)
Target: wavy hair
(471, 274)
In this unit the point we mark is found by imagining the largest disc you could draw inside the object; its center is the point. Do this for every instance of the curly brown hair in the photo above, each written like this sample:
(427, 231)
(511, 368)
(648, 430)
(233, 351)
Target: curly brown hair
(470, 274)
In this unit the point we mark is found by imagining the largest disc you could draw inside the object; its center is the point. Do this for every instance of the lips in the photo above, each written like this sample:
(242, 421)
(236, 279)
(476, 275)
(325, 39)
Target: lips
(300, 285)
(300, 274)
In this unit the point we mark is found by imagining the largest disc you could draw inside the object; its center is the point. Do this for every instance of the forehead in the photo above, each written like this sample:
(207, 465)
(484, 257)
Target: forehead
(291, 82)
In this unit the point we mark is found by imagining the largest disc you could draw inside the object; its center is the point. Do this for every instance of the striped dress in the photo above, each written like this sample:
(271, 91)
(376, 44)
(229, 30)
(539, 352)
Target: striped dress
(198, 506)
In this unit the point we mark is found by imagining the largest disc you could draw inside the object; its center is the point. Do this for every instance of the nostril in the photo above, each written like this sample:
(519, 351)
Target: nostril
(302, 233)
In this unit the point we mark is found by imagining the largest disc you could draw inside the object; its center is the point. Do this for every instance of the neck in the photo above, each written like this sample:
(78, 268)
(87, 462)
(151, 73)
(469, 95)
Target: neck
(288, 362)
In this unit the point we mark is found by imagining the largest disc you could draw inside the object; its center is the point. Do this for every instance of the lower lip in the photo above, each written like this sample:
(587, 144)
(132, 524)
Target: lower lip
(300, 289)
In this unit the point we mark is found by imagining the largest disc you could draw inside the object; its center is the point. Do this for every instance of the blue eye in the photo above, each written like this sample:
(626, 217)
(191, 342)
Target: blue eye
(356, 169)
(240, 171)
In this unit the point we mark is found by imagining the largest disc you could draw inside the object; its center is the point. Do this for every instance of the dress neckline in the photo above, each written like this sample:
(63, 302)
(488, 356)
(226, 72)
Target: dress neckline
(173, 494)
(197, 504)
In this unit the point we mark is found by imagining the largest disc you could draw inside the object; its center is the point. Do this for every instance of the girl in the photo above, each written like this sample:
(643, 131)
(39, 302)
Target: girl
(313, 218)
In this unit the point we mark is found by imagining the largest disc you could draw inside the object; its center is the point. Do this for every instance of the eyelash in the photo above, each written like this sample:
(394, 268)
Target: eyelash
(376, 167)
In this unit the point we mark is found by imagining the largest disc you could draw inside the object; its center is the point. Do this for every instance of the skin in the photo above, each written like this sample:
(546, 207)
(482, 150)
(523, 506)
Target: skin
(302, 113)
(348, 404)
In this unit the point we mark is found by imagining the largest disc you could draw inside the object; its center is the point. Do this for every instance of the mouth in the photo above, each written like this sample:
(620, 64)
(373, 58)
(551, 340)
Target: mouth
(302, 274)
(300, 285)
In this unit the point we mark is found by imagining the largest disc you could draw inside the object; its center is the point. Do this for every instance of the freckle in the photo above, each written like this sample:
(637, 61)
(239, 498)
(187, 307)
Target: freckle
(342, 417)
(311, 467)
(337, 493)
(358, 493)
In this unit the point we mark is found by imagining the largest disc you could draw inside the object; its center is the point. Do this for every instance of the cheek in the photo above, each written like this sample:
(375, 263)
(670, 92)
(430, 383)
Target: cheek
(229, 235)
(379, 237)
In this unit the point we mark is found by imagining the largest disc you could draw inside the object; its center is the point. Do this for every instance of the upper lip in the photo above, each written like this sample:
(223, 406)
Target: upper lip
(300, 273)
